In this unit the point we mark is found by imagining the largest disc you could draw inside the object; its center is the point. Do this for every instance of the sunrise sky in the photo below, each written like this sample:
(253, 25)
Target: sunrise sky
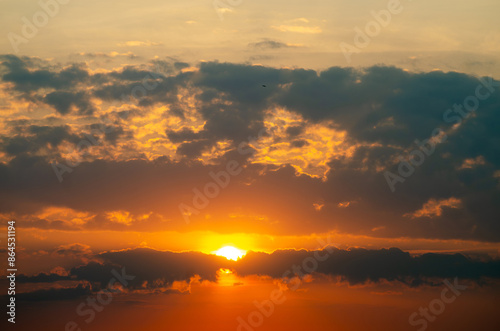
(251, 165)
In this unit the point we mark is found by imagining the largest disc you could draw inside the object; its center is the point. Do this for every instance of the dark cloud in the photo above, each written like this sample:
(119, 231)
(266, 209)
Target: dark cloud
(182, 135)
(299, 143)
(358, 266)
(159, 82)
(62, 86)
(131, 73)
(33, 138)
(193, 149)
(181, 65)
(95, 273)
(112, 133)
(241, 87)
(382, 104)
(152, 269)
(295, 130)
(74, 249)
(64, 101)
(148, 265)
(26, 77)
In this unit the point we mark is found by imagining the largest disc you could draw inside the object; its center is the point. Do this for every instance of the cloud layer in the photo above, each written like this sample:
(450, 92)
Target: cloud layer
(313, 146)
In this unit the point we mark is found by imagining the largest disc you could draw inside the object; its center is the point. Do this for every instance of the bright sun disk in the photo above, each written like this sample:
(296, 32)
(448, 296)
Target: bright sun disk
(230, 253)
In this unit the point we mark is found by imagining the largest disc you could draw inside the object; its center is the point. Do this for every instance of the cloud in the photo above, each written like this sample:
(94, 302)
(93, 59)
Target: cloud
(26, 77)
(150, 265)
(299, 19)
(109, 55)
(471, 163)
(64, 102)
(74, 249)
(435, 208)
(298, 29)
(150, 268)
(294, 131)
(299, 143)
(271, 44)
(359, 266)
(153, 269)
(136, 43)
(33, 138)
(324, 136)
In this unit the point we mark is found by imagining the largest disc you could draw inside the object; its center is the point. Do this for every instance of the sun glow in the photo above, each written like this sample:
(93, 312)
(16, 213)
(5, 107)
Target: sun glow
(230, 253)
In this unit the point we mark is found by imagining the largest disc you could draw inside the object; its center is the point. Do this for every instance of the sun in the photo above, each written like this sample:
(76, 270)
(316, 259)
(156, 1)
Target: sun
(230, 253)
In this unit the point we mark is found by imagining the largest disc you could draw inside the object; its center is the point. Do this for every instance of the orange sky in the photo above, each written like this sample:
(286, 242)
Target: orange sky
(349, 147)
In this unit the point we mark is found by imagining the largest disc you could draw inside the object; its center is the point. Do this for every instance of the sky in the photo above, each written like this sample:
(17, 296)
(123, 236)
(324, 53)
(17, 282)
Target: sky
(250, 165)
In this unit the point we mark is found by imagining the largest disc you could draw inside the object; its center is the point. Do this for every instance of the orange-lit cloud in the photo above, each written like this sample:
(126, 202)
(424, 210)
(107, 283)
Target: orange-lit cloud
(435, 208)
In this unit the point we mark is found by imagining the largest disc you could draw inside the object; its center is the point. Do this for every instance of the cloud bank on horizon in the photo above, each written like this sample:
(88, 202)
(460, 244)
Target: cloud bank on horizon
(162, 271)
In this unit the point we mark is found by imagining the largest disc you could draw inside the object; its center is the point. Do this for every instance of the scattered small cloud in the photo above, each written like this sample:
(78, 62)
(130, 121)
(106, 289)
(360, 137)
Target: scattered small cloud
(318, 206)
(344, 204)
(471, 163)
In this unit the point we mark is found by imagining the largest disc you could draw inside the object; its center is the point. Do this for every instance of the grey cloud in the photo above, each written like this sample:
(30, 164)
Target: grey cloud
(26, 77)
(269, 44)
(299, 143)
(63, 102)
(32, 138)
(358, 266)
(381, 109)
(159, 269)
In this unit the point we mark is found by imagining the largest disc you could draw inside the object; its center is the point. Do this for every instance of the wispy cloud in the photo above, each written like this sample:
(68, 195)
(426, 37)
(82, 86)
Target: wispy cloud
(272, 44)
(136, 43)
(298, 29)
